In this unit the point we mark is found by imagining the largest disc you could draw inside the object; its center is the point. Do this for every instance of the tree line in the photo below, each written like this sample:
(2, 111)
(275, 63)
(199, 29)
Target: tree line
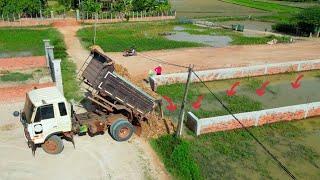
(35, 7)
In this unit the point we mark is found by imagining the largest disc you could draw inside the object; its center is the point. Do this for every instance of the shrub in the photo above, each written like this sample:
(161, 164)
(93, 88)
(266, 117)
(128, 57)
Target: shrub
(288, 28)
(308, 20)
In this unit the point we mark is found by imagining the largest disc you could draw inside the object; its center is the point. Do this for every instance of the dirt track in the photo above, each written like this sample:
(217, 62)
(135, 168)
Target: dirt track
(212, 58)
(108, 159)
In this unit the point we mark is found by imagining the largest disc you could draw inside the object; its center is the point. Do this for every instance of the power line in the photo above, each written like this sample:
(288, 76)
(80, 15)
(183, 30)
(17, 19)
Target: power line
(247, 130)
(161, 61)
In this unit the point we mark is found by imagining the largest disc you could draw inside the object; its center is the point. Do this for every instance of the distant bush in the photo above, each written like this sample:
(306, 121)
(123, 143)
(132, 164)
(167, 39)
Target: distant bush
(285, 28)
(307, 21)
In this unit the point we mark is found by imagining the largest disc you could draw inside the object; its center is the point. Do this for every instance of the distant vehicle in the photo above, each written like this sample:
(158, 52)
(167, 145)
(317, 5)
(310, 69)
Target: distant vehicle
(130, 52)
(119, 105)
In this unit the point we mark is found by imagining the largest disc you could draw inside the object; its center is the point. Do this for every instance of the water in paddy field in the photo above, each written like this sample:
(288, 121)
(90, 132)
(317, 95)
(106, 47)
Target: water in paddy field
(15, 54)
(214, 41)
(278, 93)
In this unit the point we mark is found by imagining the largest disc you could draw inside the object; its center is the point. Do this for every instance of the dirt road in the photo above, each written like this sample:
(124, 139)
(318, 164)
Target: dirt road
(101, 157)
(98, 158)
(212, 58)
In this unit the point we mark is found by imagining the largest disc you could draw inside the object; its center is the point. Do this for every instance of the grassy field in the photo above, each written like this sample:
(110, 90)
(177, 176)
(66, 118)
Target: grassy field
(210, 8)
(279, 93)
(15, 76)
(265, 6)
(235, 155)
(144, 36)
(24, 42)
(28, 42)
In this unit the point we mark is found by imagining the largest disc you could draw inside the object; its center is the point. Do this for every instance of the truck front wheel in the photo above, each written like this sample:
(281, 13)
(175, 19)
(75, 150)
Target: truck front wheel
(53, 145)
(121, 130)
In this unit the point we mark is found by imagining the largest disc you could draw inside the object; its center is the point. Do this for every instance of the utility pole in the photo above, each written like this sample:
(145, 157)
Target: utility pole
(182, 111)
(95, 29)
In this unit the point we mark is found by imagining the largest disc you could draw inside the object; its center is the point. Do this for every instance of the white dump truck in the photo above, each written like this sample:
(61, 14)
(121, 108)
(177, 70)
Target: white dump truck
(119, 106)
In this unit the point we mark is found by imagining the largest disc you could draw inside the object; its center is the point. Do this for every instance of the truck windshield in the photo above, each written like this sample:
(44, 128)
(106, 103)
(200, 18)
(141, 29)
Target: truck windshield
(28, 109)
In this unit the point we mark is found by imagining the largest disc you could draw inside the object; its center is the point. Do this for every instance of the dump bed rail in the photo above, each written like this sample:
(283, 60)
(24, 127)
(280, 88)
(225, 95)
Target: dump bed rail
(99, 74)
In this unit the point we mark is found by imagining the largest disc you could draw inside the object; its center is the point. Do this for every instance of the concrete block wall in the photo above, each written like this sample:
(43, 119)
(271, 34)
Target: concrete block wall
(254, 118)
(54, 65)
(238, 72)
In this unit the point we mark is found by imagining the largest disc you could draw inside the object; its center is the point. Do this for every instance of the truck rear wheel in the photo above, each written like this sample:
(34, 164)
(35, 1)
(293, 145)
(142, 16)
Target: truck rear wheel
(53, 145)
(121, 130)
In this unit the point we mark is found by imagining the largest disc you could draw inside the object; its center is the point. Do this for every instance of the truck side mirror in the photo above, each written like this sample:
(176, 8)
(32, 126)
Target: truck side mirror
(16, 113)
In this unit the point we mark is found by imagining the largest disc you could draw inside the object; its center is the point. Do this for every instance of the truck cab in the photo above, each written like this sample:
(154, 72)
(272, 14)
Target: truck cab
(46, 113)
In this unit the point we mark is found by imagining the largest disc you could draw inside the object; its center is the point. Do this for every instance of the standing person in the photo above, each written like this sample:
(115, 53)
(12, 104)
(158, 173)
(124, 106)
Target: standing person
(158, 70)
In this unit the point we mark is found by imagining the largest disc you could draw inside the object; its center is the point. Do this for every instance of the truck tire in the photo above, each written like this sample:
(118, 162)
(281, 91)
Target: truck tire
(121, 130)
(53, 145)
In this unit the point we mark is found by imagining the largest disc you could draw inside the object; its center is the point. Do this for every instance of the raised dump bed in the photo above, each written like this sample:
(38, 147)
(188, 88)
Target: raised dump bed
(112, 91)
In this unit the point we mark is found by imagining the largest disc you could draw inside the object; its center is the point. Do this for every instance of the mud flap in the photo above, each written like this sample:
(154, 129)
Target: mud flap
(33, 147)
(69, 137)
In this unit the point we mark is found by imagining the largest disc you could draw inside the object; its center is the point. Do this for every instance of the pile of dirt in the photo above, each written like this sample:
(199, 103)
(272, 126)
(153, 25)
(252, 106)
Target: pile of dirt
(122, 71)
(155, 127)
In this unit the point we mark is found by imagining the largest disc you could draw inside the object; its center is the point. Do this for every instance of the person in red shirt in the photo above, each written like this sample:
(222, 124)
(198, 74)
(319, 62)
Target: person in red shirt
(158, 70)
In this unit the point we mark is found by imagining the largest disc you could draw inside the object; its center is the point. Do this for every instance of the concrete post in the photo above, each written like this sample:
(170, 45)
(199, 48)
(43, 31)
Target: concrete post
(46, 44)
(77, 14)
(51, 13)
(50, 53)
(41, 17)
(57, 74)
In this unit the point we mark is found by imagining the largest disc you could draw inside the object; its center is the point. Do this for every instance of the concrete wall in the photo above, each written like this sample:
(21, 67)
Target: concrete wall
(54, 65)
(254, 118)
(238, 72)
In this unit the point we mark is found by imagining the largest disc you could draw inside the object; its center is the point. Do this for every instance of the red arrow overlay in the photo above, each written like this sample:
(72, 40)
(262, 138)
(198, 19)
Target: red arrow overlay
(196, 105)
(232, 91)
(171, 107)
(262, 90)
(296, 84)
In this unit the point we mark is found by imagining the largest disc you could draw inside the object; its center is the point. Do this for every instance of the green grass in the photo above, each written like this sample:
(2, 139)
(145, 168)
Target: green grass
(68, 68)
(235, 155)
(266, 6)
(144, 36)
(17, 41)
(15, 77)
(176, 156)
(23, 41)
(280, 12)
(236, 103)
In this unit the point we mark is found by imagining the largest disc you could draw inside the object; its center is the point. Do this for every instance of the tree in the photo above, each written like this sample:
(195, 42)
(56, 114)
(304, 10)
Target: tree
(26, 7)
(308, 20)
(90, 6)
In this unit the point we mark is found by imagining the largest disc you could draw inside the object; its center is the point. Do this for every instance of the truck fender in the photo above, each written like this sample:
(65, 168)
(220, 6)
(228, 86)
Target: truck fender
(55, 133)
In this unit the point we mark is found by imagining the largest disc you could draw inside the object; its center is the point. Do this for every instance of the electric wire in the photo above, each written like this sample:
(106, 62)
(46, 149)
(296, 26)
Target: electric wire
(247, 130)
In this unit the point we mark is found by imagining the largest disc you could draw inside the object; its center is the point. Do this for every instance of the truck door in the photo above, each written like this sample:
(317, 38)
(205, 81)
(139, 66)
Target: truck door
(44, 123)
(64, 120)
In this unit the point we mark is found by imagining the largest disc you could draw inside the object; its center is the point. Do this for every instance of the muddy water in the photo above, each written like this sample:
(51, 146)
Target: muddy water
(214, 41)
(14, 54)
(278, 93)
